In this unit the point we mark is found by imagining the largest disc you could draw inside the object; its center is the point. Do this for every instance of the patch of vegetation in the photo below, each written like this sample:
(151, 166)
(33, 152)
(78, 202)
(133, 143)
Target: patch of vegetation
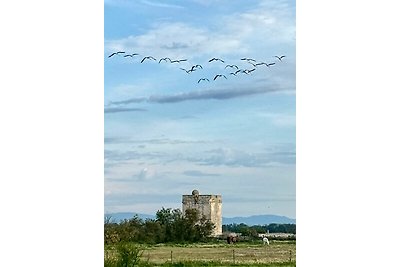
(127, 255)
(169, 226)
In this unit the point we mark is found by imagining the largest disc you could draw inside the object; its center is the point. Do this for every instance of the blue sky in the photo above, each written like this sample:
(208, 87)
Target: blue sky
(166, 133)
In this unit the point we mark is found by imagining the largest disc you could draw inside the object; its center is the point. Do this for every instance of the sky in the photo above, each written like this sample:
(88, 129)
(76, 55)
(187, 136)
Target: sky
(167, 132)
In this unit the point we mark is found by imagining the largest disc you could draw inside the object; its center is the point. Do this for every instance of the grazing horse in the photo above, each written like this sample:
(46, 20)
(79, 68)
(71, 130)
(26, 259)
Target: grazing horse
(265, 240)
(231, 239)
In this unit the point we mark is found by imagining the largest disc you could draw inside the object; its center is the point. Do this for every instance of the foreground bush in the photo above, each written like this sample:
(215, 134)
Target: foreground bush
(128, 255)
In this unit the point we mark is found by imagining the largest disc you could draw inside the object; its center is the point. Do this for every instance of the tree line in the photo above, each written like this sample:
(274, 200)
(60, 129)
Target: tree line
(254, 230)
(170, 225)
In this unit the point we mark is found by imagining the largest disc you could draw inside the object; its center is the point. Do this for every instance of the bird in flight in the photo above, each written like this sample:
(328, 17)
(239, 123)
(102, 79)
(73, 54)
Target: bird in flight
(203, 79)
(236, 72)
(248, 59)
(164, 59)
(249, 71)
(187, 71)
(178, 61)
(231, 66)
(116, 53)
(266, 64)
(254, 65)
(216, 59)
(280, 57)
(131, 55)
(219, 75)
(196, 66)
(149, 57)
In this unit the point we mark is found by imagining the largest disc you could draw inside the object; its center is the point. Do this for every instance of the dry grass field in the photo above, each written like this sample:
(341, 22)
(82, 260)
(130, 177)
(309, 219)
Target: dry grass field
(277, 251)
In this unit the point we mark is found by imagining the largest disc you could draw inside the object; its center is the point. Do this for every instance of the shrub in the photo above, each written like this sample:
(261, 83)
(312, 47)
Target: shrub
(128, 255)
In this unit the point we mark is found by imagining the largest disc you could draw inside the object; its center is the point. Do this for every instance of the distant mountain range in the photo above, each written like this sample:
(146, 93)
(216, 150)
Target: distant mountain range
(251, 220)
(119, 216)
(259, 220)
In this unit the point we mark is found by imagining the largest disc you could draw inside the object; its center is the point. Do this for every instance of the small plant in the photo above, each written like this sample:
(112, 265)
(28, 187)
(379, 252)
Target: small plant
(128, 255)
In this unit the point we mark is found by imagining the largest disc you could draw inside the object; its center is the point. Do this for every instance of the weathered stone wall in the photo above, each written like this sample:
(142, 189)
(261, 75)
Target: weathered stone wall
(208, 205)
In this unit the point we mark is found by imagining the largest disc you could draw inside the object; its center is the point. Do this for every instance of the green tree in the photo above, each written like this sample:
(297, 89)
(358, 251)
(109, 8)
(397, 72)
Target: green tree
(178, 227)
(129, 229)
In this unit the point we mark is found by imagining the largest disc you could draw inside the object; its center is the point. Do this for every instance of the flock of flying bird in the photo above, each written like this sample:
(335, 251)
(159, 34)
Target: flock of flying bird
(235, 70)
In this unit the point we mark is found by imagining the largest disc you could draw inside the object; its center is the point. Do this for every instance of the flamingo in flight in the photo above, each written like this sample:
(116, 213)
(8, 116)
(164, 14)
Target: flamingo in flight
(116, 53)
(219, 75)
(254, 65)
(178, 61)
(266, 64)
(187, 71)
(149, 57)
(231, 66)
(216, 59)
(203, 79)
(236, 72)
(280, 57)
(196, 66)
(164, 59)
(248, 59)
(131, 55)
(249, 71)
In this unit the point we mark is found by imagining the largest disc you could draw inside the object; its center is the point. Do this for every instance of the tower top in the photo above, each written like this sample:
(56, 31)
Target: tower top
(195, 192)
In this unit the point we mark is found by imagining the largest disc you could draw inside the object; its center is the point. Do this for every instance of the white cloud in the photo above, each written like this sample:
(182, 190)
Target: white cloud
(280, 119)
(146, 173)
(159, 4)
(177, 40)
(263, 26)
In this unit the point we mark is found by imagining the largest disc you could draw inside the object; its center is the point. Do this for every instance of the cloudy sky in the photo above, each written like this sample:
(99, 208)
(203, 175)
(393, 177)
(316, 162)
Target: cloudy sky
(168, 132)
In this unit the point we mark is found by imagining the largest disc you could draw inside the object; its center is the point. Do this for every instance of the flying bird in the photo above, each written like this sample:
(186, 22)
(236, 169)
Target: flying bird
(236, 72)
(216, 59)
(149, 57)
(178, 61)
(196, 66)
(219, 75)
(248, 59)
(280, 57)
(254, 65)
(249, 71)
(231, 66)
(187, 71)
(203, 79)
(266, 64)
(131, 55)
(116, 53)
(164, 59)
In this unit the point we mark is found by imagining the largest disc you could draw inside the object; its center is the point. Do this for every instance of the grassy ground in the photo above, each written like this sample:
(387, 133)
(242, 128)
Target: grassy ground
(240, 254)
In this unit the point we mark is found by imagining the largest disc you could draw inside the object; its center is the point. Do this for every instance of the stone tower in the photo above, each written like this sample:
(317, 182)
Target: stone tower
(209, 206)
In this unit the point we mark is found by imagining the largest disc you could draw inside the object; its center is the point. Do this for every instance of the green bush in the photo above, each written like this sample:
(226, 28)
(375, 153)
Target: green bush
(128, 255)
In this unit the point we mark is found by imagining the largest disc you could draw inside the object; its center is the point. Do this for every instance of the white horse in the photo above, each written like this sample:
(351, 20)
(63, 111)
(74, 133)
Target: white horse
(265, 240)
